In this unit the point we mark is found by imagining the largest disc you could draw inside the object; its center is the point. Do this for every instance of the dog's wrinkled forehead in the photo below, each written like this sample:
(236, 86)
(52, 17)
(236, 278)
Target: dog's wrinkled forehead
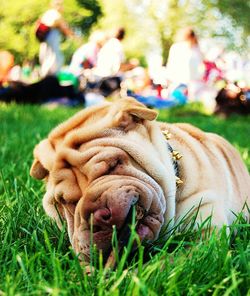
(86, 125)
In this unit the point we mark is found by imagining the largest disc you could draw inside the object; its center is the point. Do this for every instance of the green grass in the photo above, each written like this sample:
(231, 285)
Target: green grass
(36, 258)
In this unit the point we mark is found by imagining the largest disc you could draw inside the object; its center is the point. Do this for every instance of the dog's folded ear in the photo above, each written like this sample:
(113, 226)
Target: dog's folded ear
(38, 171)
(44, 157)
(132, 111)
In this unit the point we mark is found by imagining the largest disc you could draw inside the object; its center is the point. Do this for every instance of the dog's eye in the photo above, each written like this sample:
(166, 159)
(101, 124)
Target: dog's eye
(113, 165)
(66, 164)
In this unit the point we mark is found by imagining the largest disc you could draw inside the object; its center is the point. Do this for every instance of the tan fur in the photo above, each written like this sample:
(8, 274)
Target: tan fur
(114, 155)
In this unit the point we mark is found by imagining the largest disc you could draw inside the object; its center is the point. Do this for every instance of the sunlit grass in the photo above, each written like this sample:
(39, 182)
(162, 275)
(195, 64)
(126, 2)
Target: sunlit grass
(36, 258)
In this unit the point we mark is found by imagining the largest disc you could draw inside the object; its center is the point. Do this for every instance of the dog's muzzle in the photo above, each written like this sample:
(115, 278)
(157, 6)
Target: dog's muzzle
(108, 202)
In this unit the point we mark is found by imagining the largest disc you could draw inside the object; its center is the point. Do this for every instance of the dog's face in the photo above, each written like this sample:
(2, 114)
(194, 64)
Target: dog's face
(97, 165)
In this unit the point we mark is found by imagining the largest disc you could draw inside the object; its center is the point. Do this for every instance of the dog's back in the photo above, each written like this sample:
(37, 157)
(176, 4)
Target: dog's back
(211, 169)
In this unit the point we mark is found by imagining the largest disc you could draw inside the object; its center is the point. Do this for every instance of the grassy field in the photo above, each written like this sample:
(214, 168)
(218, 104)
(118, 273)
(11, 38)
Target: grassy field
(36, 258)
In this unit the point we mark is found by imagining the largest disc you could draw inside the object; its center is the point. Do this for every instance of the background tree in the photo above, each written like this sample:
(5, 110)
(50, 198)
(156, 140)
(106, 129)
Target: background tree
(151, 25)
(18, 21)
(233, 20)
(237, 10)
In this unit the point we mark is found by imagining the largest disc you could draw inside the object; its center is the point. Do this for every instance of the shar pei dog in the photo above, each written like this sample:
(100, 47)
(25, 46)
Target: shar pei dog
(108, 158)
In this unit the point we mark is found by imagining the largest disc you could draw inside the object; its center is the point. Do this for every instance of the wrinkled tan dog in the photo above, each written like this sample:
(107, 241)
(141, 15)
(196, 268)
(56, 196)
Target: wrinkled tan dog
(107, 158)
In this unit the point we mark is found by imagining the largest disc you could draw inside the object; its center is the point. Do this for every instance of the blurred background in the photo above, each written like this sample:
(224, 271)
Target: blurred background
(151, 24)
(222, 27)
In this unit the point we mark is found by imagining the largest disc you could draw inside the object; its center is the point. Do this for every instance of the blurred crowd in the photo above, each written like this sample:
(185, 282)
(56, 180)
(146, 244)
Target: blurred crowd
(99, 70)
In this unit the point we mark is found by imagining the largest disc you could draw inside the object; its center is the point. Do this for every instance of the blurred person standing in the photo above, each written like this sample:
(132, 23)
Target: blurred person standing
(185, 63)
(85, 57)
(50, 56)
(111, 56)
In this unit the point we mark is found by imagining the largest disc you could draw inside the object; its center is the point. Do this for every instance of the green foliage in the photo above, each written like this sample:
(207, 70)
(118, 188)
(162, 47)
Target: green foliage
(237, 10)
(35, 257)
(82, 14)
(150, 24)
(227, 21)
(18, 33)
(17, 27)
(94, 14)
